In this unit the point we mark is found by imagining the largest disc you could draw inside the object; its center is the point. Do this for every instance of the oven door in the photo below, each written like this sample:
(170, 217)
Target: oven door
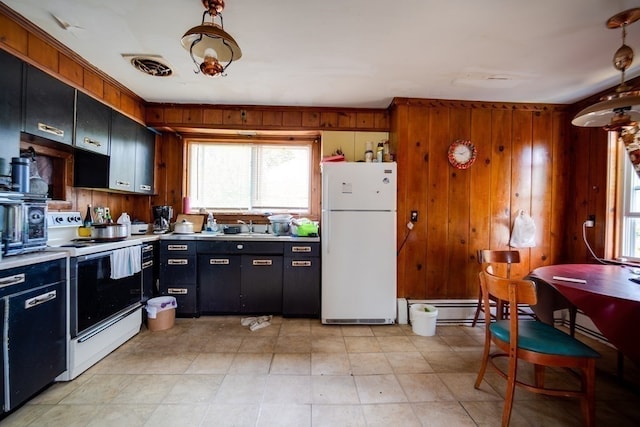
(96, 297)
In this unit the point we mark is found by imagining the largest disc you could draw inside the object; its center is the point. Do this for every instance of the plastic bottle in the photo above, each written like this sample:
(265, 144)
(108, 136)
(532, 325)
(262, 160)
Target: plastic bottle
(210, 222)
(88, 220)
(124, 219)
(215, 228)
(379, 152)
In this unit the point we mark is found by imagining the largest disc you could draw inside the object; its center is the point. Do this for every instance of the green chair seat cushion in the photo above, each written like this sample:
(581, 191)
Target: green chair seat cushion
(542, 338)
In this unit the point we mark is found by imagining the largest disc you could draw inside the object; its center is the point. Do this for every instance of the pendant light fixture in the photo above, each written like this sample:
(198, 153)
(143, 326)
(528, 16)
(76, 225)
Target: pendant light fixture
(212, 49)
(621, 108)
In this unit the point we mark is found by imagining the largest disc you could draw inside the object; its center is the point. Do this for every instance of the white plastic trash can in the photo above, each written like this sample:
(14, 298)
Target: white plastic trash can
(423, 319)
(161, 313)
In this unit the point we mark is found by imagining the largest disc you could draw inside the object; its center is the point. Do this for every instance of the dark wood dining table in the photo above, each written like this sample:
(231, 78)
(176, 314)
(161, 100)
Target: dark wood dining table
(605, 293)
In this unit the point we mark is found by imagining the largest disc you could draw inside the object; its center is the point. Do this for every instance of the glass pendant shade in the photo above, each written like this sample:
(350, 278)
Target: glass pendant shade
(211, 36)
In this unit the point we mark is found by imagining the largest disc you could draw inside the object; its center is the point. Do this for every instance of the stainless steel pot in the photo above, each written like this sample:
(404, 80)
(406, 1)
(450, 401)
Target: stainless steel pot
(183, 227)
(109, 232)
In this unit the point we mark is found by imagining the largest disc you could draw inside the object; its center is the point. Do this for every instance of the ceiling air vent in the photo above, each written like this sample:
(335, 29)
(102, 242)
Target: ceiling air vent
(149, 64)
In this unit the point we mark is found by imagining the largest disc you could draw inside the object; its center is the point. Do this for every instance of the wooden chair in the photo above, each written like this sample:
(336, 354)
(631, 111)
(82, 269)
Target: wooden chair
(495, 259)
(534, 342)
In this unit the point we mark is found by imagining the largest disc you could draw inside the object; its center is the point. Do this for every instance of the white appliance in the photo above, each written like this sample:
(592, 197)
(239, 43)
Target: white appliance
(358, 243)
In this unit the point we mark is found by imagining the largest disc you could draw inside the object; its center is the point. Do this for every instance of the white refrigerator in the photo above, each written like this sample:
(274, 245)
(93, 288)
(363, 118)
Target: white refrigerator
(358, 235)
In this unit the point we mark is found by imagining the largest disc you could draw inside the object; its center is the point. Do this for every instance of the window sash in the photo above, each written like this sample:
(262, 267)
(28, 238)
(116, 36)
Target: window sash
(246, 177)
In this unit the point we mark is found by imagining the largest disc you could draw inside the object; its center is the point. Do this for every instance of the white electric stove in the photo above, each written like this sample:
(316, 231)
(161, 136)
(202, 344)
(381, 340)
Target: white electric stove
(104, 310)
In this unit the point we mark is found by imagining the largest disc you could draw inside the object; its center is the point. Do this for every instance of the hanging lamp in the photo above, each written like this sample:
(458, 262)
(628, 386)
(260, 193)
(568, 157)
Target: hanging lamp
(622, 108)
(211, 48)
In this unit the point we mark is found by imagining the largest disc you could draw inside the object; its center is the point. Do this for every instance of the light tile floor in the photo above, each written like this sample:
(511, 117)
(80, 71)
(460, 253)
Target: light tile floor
(212, 371)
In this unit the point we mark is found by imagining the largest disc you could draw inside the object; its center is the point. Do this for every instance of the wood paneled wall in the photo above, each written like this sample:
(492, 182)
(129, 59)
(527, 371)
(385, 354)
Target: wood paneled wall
(194, 118)
(523, 154)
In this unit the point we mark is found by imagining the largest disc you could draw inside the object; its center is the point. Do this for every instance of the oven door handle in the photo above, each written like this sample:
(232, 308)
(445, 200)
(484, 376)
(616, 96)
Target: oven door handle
(94, 256)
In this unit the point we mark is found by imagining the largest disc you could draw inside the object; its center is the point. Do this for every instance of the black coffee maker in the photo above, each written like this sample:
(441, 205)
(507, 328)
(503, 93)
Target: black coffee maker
(162, 218)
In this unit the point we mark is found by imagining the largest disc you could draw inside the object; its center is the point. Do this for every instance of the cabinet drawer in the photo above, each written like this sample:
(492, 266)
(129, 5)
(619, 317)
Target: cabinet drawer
(19, 279)
(182, 247)
(186, 298)
(178, 268)
(309, 249)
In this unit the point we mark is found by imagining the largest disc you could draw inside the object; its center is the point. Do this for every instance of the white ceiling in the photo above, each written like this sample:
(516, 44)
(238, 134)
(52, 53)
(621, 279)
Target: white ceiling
(355, 53)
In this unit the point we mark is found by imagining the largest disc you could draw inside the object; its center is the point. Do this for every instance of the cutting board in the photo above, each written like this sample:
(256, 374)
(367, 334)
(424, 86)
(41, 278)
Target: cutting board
(196, 219)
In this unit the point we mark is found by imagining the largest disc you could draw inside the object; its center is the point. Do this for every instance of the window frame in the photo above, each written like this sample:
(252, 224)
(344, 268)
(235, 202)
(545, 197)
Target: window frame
(311, 139)
(625, 173)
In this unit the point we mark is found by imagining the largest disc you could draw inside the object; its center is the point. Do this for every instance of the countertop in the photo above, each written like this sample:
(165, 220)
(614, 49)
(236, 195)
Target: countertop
(261, 237)
(31, 258)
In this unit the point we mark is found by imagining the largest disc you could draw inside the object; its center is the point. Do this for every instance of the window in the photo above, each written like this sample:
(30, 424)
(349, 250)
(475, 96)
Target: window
(630, 214)
(250, 176)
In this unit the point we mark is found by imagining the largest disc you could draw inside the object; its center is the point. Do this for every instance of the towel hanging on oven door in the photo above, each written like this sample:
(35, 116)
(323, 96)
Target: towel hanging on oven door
(126, 262)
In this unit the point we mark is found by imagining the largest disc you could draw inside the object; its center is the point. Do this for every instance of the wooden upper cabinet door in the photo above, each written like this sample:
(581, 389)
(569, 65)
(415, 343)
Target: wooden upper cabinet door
(49, 107)
(92, 125)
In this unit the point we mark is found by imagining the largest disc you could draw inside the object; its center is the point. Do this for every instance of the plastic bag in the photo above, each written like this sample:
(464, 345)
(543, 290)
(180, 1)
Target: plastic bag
(523, 234)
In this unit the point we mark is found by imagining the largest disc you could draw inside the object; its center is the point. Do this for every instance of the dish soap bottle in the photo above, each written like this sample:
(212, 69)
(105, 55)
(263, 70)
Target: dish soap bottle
(210, 221)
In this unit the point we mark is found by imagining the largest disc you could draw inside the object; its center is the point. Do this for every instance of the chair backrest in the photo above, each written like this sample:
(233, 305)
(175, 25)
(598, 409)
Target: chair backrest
(516, 291)
(496, 258)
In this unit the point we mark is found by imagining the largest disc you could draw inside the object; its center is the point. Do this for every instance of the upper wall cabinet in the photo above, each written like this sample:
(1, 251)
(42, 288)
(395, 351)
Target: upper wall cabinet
(10, 108)
(92, 124)
(49, 106)
(145, 160)
(124, 134)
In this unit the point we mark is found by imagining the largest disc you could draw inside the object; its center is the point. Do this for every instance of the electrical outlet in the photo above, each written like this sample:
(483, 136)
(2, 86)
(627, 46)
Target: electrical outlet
(414, 216)
(591, 221)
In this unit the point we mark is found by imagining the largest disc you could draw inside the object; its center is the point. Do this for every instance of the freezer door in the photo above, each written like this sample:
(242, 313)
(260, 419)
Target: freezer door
(359, 186)
(359, 267)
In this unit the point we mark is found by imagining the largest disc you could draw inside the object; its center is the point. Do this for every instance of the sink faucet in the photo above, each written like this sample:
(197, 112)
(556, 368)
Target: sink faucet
(249, 227)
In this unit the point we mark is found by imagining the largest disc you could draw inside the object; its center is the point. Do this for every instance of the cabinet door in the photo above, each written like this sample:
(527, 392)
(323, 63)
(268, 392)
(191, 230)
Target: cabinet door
(92, 124)
(261, 284)
(49, 107)
(36, 335)
(219, 280)
(145, 160)
(10, 108)
(301, 287)
(124, 133)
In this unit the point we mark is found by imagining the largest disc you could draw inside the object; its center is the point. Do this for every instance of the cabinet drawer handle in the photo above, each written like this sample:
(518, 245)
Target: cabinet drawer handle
(178, 261)
(123, 183)
(147, 264)
(12, 280)
(262, 262)
(90, 141)
(219, 261)
(147, 248)
(300, 263)
(301, 249)
(179, 291)
(177, 247)
(145, 187)
(40, 299)
(51, 129)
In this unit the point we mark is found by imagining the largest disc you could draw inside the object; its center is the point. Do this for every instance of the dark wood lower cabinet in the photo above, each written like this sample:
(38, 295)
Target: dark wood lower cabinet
(301, 287)
(261, 284)
(237, 277)
(219, 278)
